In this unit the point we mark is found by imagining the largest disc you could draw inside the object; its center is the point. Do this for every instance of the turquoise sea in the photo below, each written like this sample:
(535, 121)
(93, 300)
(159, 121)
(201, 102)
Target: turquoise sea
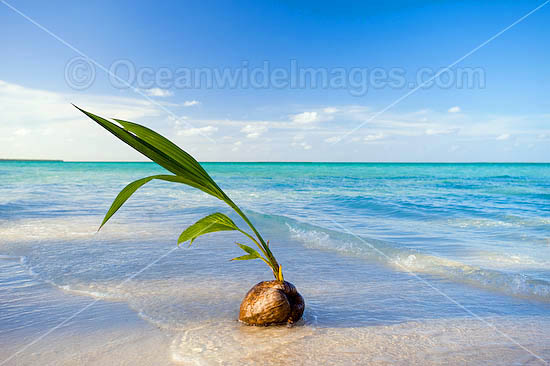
(399, 263)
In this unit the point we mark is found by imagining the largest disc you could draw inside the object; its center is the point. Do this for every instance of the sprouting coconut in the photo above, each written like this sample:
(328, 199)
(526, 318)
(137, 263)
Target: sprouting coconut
(269, 302)
(272, 302)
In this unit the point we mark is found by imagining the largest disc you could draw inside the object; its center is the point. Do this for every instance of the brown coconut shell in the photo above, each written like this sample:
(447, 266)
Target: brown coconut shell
(272, 302)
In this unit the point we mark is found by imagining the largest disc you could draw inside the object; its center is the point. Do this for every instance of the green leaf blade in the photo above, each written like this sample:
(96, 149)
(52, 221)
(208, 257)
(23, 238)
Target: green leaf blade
(209, 224)
(245, 257)
(150, 150)
(248, 249)
(131, 188)
(133, 141)
(184, 159)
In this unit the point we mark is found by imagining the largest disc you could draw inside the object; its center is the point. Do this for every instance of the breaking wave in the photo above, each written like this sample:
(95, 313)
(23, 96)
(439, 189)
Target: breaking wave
(415, 262)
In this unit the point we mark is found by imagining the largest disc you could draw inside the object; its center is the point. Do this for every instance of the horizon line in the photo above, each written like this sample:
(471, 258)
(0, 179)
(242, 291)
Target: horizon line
(281, 161)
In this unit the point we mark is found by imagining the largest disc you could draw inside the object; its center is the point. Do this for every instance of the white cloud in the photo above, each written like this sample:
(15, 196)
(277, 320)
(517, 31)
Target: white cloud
(333, 139)
(454, 109)
(236, 145)
(157, 92)
(253, 131)
(504, 136)
(30, 114)
(178, 120)
(21, 132)
(374, 137)
(305, 117)
(190, 103)
(32, 107)
(203, 131)
(42, 124)
(304, 145)
(441, 131)
(330, 110)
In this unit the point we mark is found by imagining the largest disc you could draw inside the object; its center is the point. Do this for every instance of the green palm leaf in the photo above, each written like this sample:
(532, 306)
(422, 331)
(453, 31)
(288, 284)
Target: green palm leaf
(246, 257)
(146, 149)
(252, 254)
(209, 224)
(248, 249)
(194, 170)
(127, 191)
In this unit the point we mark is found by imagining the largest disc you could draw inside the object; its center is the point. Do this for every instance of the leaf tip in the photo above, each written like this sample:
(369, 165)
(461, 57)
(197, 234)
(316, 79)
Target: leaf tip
(77, 107)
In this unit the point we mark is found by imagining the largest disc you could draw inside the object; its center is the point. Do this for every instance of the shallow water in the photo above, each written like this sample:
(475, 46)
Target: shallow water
(398, 263)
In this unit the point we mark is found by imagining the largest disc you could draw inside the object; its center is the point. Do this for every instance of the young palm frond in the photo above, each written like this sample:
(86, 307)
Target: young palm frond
(185, 170)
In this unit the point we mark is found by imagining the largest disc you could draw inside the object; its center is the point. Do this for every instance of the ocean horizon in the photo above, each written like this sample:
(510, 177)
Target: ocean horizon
(282, 162)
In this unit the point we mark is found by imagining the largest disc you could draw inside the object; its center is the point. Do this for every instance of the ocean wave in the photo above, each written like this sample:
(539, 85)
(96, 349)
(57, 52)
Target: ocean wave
(411, 261)
(87, 292)
(506, 221)
(60, 229)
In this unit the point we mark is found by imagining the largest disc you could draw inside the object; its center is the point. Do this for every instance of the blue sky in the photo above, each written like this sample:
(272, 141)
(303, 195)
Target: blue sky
(502, 115)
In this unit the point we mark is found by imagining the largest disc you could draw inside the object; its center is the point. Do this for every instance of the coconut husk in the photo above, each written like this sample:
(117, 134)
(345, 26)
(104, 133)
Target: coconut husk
(272, 302)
